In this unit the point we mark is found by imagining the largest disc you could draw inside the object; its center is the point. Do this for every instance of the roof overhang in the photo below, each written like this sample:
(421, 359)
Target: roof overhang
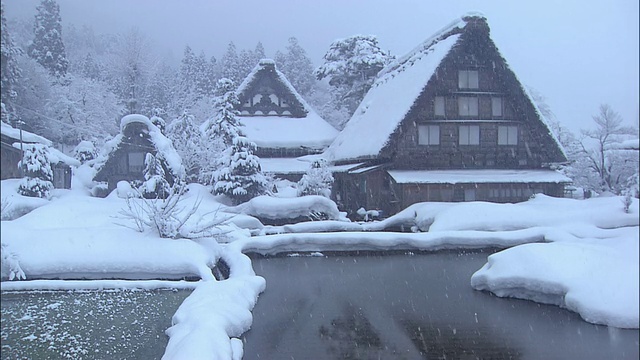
(477, 176)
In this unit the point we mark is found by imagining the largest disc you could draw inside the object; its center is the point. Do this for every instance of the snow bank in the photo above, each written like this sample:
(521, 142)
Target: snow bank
(15, 205)
(595, 278)
(208, 322)
(287, 208)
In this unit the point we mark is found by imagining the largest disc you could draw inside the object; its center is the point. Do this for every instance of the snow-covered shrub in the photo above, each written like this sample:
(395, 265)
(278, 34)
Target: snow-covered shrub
(85, 151)
(627, 200)
(10, 265)
(317, 180)
(167, 217)
(240, 177)
(155, 183)
(38, 174)
(187, 140)
(368, 215)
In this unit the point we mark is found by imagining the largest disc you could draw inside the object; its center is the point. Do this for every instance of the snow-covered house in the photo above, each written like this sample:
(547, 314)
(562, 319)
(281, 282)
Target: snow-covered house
(11, 155)
(449, 121)
(124, 156)
(280, 122)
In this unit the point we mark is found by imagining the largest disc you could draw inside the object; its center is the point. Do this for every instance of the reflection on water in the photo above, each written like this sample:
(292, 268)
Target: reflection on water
(399, 306)
(87, 324)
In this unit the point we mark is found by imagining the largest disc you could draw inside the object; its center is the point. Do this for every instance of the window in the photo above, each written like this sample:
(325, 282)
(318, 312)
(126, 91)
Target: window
(468, 79)
(507, 135)
(136, 162)
(439, 106)
(469, 135)
(468, 106)
(428, 135)
(496, 106)
(469, 194)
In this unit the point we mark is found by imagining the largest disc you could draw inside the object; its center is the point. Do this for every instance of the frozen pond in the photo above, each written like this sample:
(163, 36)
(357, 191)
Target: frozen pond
(420, 306)
(118, 324)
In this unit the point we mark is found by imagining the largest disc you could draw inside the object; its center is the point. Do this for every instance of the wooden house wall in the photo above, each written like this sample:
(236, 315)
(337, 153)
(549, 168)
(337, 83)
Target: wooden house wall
(9, 158)
(493, 192)
(370, 190)
(475, 51)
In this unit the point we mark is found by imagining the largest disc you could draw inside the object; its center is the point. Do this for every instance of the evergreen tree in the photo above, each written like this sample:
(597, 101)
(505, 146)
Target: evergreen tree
(240, 177)
(155, 184)
(186, 138)
(47, 47)
(246, 62)
(259, 52)
(230, 64)
(297, 67)
(157, 120)
(317, 180)
(225, 123)
(37, 171)
(9, 71)
(352, 65)
(85, 151)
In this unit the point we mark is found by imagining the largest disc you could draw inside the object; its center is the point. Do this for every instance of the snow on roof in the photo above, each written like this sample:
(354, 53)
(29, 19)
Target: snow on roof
(390, 98)
(279, 131)
(8, 130)
(284, 165)
(287, 132)
(162, 144)
(476, 176)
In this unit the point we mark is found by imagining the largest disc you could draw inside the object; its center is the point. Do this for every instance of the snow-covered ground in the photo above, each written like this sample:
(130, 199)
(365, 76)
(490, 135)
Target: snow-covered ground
(579, 254)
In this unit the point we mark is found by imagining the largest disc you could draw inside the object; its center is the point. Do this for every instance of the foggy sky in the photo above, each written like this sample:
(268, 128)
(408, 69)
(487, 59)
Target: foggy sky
(578, 54)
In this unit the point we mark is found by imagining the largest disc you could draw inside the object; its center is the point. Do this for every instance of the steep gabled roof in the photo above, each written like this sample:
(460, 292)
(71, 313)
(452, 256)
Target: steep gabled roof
(397, 89)
(299, 127)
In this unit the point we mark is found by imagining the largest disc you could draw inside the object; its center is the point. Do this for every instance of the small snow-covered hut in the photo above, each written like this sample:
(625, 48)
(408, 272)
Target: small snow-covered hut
(449, 121)
(11, 155)
(280, 122)
(124, 156)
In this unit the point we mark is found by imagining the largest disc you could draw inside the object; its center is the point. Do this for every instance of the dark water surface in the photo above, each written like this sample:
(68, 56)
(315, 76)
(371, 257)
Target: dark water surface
(120, 324)
(419, 306)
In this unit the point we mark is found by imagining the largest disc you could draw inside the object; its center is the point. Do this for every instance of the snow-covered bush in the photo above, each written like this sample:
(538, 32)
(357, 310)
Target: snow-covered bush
(167, 216)
(240, 177)
(368, 215)
(38, 174)
(85, 151)
(10, 265)
(187, 140)
(155, 184)
(317, 180)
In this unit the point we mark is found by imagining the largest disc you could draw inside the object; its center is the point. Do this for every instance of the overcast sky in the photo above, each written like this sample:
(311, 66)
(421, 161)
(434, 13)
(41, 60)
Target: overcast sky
(577, 53)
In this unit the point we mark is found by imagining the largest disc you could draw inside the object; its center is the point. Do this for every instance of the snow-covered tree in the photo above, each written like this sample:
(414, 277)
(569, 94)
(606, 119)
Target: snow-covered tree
(155, 184)
(297, 67)
(37, 171)
(613, 167)
(259, 51)
(225, 123)
(240, 177)
(317, 180)
(9, 71)
(157, 120)
(47, 47)
(85, 151)
(187, 141)
(351, 65)
(230, 65)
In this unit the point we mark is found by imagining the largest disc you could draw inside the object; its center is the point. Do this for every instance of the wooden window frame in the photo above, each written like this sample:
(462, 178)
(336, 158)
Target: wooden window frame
(432, 134)
(467, 135)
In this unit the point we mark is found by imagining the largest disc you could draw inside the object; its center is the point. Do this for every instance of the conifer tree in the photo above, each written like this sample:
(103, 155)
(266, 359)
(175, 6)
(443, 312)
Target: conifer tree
(240, 177)
(230, 64)
(225, 123)
(317, 180)
(155, 184)
(37, 171)
(297, 67)
(187, 141)
(10, 72)
(47, 47)
(85, 151)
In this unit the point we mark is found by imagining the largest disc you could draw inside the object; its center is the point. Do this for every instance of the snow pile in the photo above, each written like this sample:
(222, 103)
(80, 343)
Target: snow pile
(288, 208)
(208, 323)
(15, 205)
(597, 279)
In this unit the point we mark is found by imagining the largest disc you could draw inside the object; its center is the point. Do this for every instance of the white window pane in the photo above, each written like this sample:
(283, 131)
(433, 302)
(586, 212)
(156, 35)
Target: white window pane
(423, 135)
(434, 135)
(513, 135)
(463, 135)
(496, 106)
(473, 79)
(473, 106)
(474, 135)
(462, 79)
(439, 106)
(502, 135)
